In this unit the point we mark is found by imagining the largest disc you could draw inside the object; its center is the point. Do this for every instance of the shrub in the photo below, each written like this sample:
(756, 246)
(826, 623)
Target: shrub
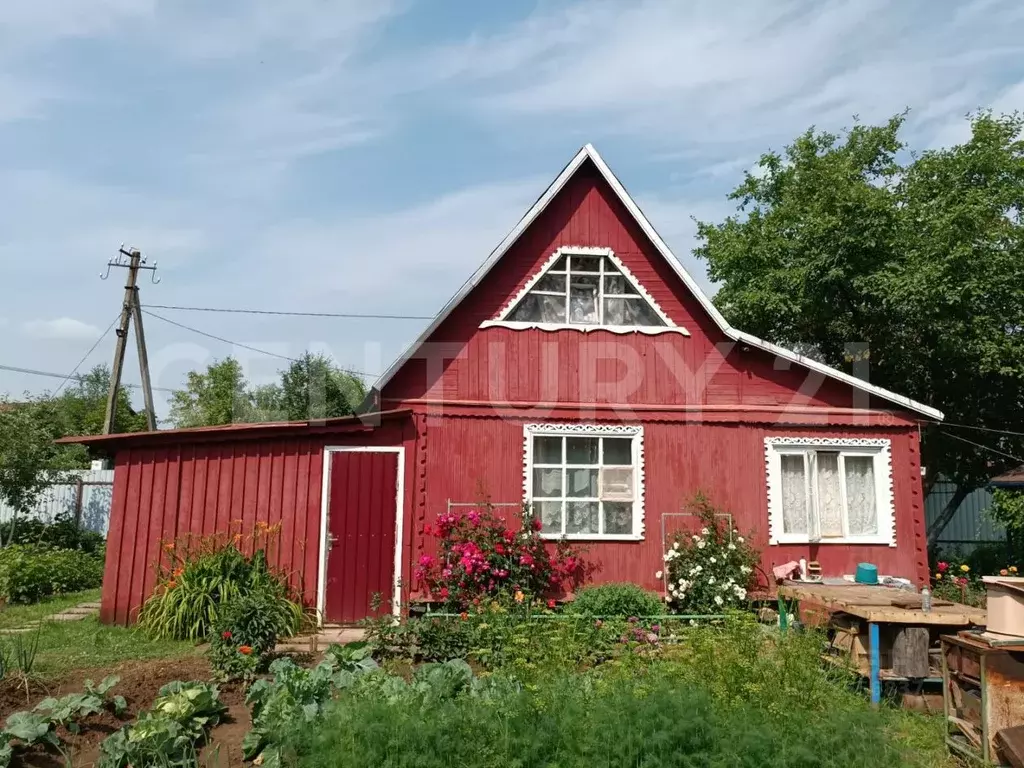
(246, 632)
(30, 572)
(197, 582)
(61, 533)
(480, 556)
(710, 571)
(616, 600)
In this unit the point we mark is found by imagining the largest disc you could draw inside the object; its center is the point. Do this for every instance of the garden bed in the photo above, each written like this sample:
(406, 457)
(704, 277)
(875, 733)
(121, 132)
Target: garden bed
(139, 684)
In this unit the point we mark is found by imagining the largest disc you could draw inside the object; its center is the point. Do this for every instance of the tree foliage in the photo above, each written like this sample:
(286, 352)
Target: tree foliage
(30, 461)
(853, 239)
(310, 388)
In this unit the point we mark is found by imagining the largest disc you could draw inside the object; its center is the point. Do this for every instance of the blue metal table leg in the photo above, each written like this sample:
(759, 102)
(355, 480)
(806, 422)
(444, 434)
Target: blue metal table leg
(876, 685)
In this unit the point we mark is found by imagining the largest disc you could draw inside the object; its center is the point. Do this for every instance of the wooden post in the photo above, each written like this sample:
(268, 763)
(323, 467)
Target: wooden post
(910, 652)
(79, 493)
(140, 340)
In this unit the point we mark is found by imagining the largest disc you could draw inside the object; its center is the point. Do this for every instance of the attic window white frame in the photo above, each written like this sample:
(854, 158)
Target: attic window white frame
(502, 321)
(880, 449)
(634, 432)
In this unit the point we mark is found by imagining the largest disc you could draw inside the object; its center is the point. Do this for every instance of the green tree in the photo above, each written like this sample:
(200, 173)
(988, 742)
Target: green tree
(313, 387)
(917, 260)
(82, 406)
(219, 395)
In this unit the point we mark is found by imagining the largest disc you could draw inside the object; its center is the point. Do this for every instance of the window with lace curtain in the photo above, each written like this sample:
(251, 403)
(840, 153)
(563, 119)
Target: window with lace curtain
(830, 490)
(585, 482)
(585, 288)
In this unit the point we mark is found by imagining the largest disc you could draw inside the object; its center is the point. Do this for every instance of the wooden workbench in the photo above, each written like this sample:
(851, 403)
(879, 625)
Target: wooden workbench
(874, 604)
(889, 627)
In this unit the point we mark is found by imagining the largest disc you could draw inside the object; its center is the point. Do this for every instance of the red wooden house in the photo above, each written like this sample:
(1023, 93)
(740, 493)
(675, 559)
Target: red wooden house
(580, 368)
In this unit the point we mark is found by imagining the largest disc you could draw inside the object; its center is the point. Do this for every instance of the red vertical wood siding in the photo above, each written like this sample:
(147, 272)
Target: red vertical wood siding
(162, 493)
(726, 462)
(499, 364)
(361, 518)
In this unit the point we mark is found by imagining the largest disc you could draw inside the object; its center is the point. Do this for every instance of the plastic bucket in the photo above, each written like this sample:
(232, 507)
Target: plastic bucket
(1005, 604)
(867, 573)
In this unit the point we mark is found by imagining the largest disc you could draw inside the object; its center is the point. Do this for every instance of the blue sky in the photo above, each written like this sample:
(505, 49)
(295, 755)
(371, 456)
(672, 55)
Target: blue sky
(337, 155)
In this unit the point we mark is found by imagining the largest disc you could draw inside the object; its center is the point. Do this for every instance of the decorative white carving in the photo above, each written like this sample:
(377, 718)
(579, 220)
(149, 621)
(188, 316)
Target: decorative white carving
(501, 320)
(635, 431)
(882, 447)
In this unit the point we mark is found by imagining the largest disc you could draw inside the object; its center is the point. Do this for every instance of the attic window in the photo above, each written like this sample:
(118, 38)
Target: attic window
(583, 289)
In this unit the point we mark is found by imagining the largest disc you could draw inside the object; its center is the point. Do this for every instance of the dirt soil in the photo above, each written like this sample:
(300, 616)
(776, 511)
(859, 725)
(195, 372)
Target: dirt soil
(139, 684)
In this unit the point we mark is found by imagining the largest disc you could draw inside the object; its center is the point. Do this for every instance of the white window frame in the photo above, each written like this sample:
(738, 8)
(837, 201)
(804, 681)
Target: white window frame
(635, 432)
(502, 321)
(879, 449)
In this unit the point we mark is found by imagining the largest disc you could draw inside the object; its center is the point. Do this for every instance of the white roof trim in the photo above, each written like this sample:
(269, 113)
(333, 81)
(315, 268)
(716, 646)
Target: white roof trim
(588, 152)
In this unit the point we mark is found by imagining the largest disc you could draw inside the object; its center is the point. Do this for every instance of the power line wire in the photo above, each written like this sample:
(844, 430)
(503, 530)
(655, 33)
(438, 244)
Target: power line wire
(243, 346)
(86, 355)
(984, 447)
(350, 315)
(52, 375)
(983, 429)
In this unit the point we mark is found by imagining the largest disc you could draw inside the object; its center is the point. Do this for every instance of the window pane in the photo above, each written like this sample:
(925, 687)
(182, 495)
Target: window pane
(547, 450)
(547, 482)
(861, 498)
(829, 498)
(618, 451)
(794, 494)
(538, 308)
(617, 483)
(585, 264)
(561, 264)
(551, 283)
(581, 482)
(581, 450)
(618, 285)
(583, 300)
(615, 312)
(550, 514)
(618, 517)
(639, 312)
(581, 516)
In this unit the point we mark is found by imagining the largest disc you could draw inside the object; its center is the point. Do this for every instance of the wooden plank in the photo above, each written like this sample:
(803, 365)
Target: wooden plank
(912, 601)
(1011, 745)
(874, 604)
(910, 651)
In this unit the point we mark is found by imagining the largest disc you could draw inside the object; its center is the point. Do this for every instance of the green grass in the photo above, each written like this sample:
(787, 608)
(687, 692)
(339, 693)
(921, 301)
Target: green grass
(20, 615)
(72, 645)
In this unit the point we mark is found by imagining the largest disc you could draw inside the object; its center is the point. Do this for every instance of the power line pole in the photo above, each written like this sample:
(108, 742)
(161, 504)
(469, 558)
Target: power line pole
(131, 309)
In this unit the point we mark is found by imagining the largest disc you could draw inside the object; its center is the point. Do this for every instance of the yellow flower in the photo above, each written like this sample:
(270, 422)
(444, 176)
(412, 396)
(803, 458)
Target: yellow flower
(938, 577)
(519, 597)
(1013, 569)
(965, 568)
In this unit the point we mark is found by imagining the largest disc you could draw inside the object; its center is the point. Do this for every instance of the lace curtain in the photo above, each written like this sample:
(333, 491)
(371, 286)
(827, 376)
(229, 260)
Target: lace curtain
(794, 494)
(860, 495)
(829, 494)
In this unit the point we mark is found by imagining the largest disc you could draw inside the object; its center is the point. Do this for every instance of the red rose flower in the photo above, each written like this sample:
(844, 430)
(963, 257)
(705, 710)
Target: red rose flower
(536, 524)
(551, 604)
(226, 634)
(943, 567)
(444, 593)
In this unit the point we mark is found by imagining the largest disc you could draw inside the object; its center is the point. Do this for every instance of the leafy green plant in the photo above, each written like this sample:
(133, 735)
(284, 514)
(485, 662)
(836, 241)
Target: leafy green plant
(30, 572)
(246, 633)
(201, 578)
(24, 650)
(616, 600)
(166, 735)
(68, 709)
(710, 571)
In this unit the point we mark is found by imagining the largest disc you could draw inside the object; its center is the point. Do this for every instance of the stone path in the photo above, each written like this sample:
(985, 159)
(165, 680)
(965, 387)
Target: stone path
(75, 613)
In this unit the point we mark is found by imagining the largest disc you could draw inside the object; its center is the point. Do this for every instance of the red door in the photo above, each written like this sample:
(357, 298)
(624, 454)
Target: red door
(363, 498)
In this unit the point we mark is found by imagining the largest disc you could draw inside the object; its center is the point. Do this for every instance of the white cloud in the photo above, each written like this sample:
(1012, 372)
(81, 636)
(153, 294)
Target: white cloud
(61, 328)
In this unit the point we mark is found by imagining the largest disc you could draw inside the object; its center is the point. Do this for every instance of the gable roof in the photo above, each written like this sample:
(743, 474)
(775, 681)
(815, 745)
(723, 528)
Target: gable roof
(589, 153)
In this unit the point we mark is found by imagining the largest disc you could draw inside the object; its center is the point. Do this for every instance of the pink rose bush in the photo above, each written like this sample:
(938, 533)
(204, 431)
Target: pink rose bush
(480, 555)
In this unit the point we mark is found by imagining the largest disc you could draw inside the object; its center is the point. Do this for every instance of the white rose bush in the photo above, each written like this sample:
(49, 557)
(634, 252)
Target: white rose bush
(710, 571)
